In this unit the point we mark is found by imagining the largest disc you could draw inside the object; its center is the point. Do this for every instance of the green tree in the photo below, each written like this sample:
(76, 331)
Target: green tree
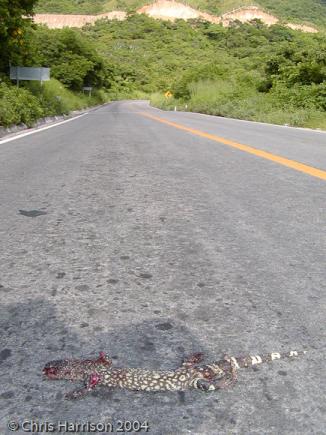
(14, 20)
(72, 57)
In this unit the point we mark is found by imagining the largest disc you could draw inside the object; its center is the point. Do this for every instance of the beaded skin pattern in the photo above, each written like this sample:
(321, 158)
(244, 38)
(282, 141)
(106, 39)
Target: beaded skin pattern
(190, 375)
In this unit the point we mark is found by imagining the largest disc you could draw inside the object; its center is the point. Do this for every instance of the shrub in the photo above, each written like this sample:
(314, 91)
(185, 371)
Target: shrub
(26, 105)
(18, 106)
(55, 99)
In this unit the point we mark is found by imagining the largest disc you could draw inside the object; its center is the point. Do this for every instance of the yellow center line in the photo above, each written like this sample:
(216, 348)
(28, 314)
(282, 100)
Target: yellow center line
(310, 170)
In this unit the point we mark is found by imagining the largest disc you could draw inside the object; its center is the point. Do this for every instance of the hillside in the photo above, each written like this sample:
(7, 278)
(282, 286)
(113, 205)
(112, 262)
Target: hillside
(248, 71)
(172, 10)
(298, 11)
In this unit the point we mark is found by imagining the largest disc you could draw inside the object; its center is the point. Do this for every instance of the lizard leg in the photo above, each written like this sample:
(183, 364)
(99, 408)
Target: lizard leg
(193, 359)
(104, 359)
(92, 382)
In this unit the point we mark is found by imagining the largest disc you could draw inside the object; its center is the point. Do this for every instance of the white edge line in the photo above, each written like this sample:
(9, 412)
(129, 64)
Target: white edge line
(37, 130)
(292, 127)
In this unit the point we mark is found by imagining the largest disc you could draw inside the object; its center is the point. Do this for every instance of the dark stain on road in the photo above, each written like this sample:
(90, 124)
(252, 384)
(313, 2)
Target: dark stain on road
(60, 275)
(82, 287)
(145, 275)
(5, 354)
(32, 213)
(7, 395)
(164, 326)
(148, 345)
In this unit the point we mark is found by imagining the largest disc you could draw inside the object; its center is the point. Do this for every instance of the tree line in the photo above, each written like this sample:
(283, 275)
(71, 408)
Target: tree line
(248, 71)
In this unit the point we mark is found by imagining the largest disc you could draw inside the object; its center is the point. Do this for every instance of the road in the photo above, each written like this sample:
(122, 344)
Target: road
(146, 240)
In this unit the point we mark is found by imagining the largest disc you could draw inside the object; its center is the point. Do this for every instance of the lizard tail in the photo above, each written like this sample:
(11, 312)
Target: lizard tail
(252, 360)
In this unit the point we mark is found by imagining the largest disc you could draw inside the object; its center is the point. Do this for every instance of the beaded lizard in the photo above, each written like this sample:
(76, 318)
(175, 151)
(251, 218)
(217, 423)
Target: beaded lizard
(218, 375)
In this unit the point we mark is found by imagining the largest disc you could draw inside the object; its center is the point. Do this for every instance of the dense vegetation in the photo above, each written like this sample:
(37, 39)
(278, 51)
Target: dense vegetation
(246, 71)
(311, 11)
(12, 27)
(72, 58)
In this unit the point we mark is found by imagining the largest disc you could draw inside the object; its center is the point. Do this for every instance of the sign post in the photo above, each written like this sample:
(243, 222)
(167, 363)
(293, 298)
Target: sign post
(19, 73)
(89, 89)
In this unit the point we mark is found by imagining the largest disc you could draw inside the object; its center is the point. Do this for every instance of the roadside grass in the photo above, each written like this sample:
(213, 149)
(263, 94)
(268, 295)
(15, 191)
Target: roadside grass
(157, 99)
(33, 101)
(56, 99)
(233, 100)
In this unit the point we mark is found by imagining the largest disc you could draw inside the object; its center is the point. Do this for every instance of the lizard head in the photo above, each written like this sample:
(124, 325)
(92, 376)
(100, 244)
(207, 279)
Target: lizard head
(76, 370)
(61, 369)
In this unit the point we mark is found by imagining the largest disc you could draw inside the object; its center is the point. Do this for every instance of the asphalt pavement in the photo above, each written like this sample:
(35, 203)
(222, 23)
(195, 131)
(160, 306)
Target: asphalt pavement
(126, 234)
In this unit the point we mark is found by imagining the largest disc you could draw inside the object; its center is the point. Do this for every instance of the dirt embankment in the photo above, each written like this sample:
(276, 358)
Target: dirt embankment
(302, 27)
(170, 10)
(58, 21)
(248, 13)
